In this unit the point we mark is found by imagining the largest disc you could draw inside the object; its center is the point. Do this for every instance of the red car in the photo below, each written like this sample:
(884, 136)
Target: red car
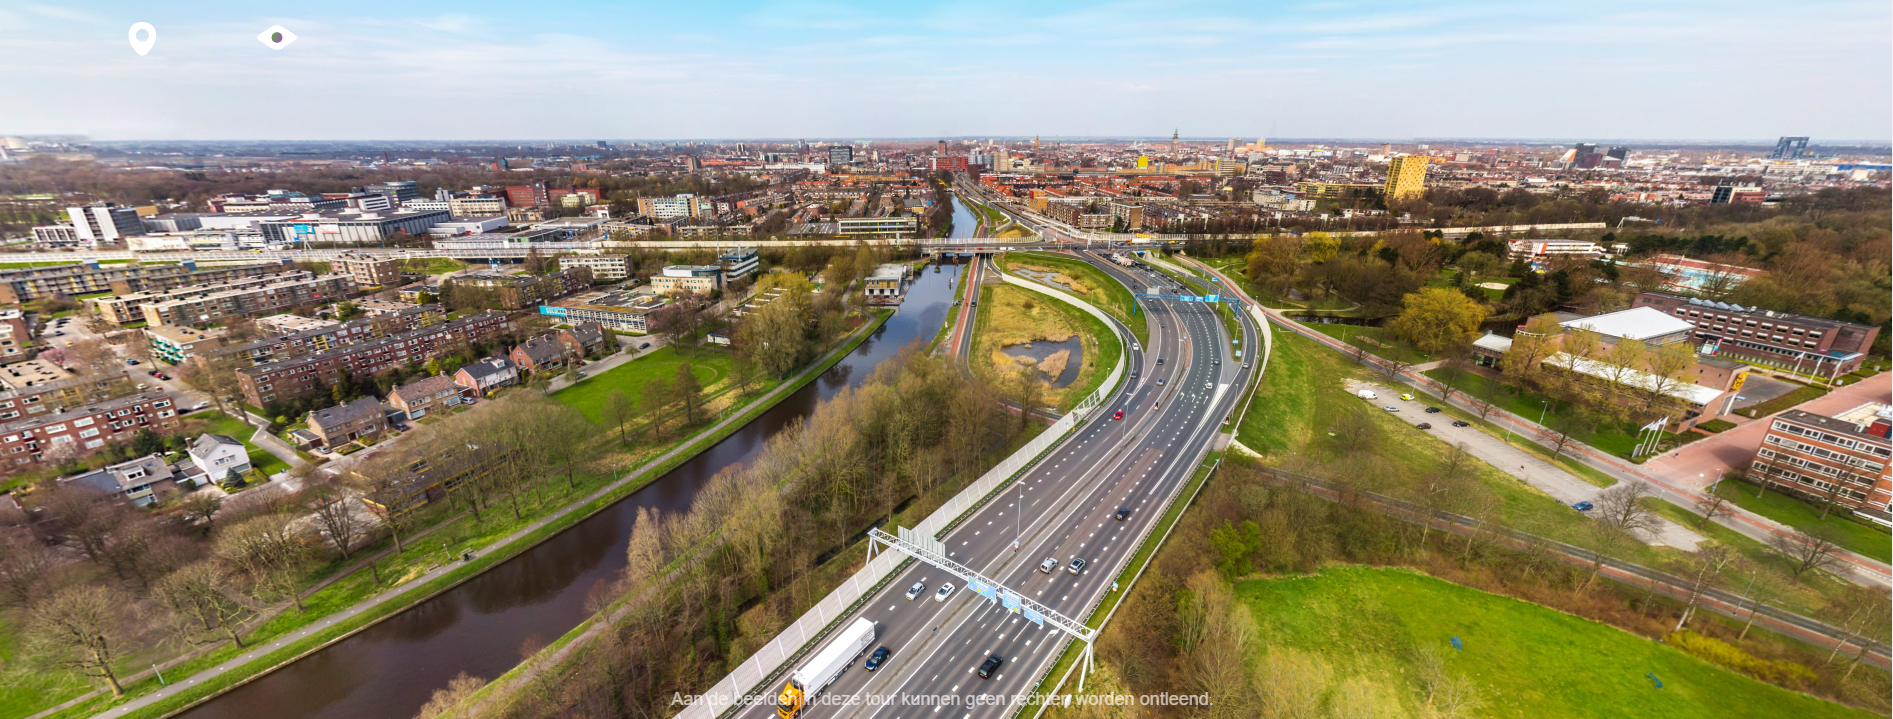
(1118, 415)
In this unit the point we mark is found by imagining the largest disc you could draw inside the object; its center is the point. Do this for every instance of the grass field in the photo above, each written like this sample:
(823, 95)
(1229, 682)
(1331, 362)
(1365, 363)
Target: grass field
(1113, 297)
(433, 265)
(1616, 439)
(1379, 334)
(589, 395)
(1005, 320)
(1853, 534)
(1526, 660)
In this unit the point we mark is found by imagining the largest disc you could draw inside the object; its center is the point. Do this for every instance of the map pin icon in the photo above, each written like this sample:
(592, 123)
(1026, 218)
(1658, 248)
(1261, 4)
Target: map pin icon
(151, 37)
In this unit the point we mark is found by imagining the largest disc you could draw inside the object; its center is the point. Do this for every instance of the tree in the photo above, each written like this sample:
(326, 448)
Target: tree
(447, 699)
(1438, 321)
(1452, 375)
(1531, 346)
(1808, 550)
(199, 507)
(266, 551)
(1864, 613)
(1705, 564)
(620, 409)
(1710, 505)
(1620, 515)
(83, 628)
(652, 402)
(215, 376)
(27, 566)
(335, 513)
(202, 598)
(688, 392)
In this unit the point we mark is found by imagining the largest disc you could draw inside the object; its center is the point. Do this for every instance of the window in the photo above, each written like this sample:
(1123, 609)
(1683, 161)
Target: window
(94, 432)
(84, 422)
(95, 444)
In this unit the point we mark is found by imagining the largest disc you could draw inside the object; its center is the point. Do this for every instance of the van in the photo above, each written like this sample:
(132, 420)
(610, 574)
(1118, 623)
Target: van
(1367, 395)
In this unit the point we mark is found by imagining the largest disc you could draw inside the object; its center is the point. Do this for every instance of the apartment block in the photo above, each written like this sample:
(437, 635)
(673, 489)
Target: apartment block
(104, 225)
(1812, 345)
(129, 308)
(309, 341)
(516, 291)
(369, 270)
(175, 344)
(26, 398)
(1843, 458)
(249, 301)
(267, 384)
(16, 337)
(83, 430)
(26, 285)
(476, 206)
(670, 208)
(1406, 177)
(603, 267)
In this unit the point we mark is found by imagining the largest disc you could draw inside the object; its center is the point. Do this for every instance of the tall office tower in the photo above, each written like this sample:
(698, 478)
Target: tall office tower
(1788, 148)
(942, 148)
(840, 154)
(1231, 147)
(103, 224)
(1406, 177)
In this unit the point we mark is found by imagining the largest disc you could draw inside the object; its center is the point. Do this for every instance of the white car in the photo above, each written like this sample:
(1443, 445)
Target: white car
(1048, 565)
(914, 591)
(1390, 408)
(946, 590)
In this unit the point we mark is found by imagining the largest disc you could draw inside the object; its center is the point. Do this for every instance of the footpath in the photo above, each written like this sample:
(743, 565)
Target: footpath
(1858, 568)
(493, 554)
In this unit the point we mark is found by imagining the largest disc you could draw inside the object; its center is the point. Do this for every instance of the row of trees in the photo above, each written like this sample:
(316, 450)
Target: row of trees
(705, 588)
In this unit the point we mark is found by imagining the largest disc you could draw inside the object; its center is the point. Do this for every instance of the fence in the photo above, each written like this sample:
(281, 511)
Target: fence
(795, 640)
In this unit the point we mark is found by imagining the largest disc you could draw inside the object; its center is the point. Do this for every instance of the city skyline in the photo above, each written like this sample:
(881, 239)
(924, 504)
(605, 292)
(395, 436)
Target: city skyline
(1441, 71)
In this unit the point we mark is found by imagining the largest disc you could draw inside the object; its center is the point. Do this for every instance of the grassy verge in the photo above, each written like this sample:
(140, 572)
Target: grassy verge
(1525, 660)
(1853, 534)
(350, 591)
(1097, 288)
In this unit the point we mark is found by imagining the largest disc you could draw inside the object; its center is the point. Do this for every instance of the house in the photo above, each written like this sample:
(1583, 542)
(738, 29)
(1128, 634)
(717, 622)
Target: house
(216, 456)
(416, 399)
(344, 423)
(583, 338)
(136, 480)
(539, 354)
(487, 375)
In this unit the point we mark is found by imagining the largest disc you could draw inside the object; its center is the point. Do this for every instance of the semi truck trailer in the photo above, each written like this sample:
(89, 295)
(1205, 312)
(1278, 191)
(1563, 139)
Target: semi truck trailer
(826, 666)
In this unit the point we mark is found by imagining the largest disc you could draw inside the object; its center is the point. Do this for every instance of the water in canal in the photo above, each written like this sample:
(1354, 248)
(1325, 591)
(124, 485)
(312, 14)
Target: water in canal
(484, 626)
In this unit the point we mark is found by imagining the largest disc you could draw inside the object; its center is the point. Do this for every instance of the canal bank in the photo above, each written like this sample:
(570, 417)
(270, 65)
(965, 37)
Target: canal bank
(480, 623)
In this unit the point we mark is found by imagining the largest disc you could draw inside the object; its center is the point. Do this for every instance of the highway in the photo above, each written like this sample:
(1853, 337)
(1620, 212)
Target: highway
(1069, 500)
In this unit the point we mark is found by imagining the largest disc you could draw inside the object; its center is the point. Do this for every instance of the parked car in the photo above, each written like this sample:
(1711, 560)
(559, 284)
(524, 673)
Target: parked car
(1123, 513)
(1461, 423)
(644, 346)
(1432, 410)
(1406, 396)
(1583, 506)
(1048, 565)
(131, 360)
(914, 591)
(1077, 566)
(946, 590)
(989, 666)
(878, 658)
(163, 376)
(1390, 408)
(1424, 425)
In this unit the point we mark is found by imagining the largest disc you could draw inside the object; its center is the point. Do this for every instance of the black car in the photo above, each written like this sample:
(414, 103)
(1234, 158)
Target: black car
(1159, 360)
(1123, 513)
(1432, 410)
(1461, 423)
(986, 668)
(878, 658)
(1424, 425)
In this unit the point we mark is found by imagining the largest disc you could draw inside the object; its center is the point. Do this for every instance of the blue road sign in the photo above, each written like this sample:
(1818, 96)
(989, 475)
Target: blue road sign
(1034, 617)
(980, 588)
(1010, 601)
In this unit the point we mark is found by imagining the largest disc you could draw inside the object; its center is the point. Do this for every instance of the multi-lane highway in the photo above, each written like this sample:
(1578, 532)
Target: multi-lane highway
(1186, 383)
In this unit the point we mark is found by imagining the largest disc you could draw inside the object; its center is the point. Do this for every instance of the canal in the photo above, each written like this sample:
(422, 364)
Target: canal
(485, 626)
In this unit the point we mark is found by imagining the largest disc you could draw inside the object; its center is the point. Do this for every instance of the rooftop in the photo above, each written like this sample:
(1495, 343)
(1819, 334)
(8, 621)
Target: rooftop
(1836, 425)
(1636, 323)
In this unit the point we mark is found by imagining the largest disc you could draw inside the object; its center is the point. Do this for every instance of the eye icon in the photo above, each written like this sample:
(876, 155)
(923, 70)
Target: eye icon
(276, 37)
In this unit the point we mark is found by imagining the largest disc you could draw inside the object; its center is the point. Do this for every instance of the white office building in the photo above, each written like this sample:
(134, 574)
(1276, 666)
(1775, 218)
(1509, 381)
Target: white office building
(103, 224)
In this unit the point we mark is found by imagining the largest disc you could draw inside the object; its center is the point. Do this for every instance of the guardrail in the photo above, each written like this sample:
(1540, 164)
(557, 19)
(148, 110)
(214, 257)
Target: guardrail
(798, 638)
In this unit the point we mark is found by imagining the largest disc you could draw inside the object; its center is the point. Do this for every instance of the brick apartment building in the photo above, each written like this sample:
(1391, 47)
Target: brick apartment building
(16, 337)
(42, 397)
(267, 384)
(250, 301)
(369, 270)
(516, 291)
(1812, 345)
(19, 286)
(83, 430)
(1845, 457)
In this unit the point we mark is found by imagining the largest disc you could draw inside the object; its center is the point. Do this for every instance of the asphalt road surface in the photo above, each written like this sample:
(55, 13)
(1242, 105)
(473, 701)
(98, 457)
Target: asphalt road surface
(1069, 500)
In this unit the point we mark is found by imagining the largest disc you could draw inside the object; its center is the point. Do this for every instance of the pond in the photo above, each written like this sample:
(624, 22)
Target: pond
(1064, 358)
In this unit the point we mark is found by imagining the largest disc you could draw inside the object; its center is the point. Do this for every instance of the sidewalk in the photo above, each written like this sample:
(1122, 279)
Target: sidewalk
(1700, 463)
(498, 548)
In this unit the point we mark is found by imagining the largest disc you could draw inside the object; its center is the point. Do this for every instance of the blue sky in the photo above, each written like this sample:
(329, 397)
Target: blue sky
(1605, 69)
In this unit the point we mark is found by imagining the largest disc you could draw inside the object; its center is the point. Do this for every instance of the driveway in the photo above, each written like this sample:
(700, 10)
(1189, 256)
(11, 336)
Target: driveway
(1702, 462)
(1549, 478)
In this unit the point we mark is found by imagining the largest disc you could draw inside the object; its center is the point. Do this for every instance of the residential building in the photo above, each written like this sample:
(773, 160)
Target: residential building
(1738, 194)
(1784, 340)
(1843, 459)
(887, 281)
(1538, 250)
(287, 323)
(16, 338)
(516, 291)
(1788, 148)
(163, 277)
(137, 481)
(273, 202)
(32, 394)
(129, 307)
(397, 191)
(433, 394)
(175, 343)
(1131, 215)
(890, 226)
(605, 268)
(216, 456)
(1406, 177)
(688, 278)
(344, 423)
(369, 270)
(350, 227)
(955, 162)
(268, 384)
(105, 225)
(670, 208)
(1338, 190)
(249, 301)
(477, 206)
(582, 338)
(486, 375)
(55, 236)
(26, 285)
(528, 196)
(840, 154)
(83, 430)
(621, 311)
(303, 342)
(738, 262)
(539, 354)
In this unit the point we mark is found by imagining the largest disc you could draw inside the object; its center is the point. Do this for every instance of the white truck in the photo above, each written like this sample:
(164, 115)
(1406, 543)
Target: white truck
(824, 667)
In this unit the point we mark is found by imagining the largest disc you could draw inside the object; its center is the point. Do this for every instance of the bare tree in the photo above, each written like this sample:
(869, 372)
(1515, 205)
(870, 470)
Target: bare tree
(1710, 505)
(1864, 613)
(619, 409)
(85, 629)
(446, 699)
(26, 567)
(1705, 564)
(202, 597)
(687, 391)
(1481, 406)
(265, 549)
(1452, 375)
(335, 512)
(1808, 550)
(199, 507)
(1620, 515)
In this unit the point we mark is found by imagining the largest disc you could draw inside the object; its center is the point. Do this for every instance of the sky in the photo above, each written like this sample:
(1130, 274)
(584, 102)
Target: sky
(480, 70)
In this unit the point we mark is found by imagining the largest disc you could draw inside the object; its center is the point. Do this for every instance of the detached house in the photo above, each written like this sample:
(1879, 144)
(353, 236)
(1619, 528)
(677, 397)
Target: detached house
(540, 354)
(416, 399)
(216, 456)
(135, 480)
(582, 339)
(341, 424)
(487, 375)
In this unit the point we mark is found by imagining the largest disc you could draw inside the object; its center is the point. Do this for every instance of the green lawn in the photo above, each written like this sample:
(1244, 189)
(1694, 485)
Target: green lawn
(1345, 333)
(1613, 438)
(588, 396)
(1117, 299)
(1854, 534)
(1526, 660)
